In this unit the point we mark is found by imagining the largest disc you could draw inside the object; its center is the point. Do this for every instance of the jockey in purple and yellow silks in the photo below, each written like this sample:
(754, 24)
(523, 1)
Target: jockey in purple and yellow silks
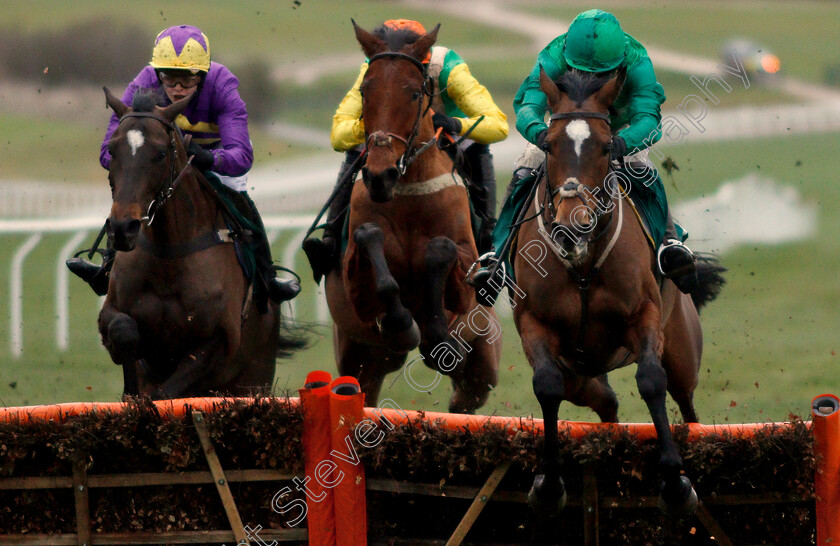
(217, 120)
(463, 105)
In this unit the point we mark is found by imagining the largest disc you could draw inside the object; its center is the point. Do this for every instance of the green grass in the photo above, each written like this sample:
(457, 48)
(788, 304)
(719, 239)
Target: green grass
(770, 339)
(797, 32)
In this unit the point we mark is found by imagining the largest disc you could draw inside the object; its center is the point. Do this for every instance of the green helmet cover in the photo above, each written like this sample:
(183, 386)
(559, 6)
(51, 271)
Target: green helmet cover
(595, 42)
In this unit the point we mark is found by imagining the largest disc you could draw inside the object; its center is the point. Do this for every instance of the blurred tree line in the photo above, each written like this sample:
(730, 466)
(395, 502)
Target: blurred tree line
(106, 52)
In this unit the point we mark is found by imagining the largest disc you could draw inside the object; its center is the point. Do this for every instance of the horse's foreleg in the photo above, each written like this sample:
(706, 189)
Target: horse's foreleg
(189, 372)
(678, 497)
(121, 337)
(397, 325)
(548, 494)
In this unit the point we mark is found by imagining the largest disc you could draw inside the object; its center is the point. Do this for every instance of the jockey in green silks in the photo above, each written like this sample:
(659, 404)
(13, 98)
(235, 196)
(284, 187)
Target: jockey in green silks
(595, 43)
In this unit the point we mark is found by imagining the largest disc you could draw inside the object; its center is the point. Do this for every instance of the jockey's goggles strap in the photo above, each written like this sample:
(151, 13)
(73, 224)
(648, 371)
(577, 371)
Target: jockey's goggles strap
(579, 115)
(384, 54)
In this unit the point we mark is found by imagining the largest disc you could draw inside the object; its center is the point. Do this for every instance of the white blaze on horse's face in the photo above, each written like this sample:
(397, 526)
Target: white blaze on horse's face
(135, 140)
(578, 131)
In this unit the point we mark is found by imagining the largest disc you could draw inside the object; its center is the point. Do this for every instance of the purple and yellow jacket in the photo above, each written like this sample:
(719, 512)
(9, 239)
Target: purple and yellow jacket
(216, 117)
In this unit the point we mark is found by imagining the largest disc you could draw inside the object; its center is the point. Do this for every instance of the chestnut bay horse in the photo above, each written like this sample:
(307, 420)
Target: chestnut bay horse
(594, 303)
(401, 283)
(178, 315)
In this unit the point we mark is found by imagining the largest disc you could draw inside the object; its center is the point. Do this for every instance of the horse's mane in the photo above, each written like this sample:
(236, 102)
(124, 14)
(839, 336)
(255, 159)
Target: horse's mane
(579, 85)
(145, 100)
(396, 39)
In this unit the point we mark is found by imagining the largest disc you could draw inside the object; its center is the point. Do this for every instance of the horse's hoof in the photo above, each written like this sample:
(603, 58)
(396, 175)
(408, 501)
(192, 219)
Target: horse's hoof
(681, 502)
(547, 499)
(406, 340)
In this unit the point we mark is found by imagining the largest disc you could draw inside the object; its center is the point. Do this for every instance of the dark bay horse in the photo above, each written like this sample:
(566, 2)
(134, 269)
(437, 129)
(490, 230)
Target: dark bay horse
(401, 281)
(593, 304)
(178, 316)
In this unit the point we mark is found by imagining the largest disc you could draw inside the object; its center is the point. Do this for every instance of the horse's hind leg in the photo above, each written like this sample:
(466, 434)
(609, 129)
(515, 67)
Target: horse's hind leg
(678, 497)
(369, 364)
(398, 326)
(200, 363)
(473, 381)
(681, 355)
(441, 255)
(597, 394)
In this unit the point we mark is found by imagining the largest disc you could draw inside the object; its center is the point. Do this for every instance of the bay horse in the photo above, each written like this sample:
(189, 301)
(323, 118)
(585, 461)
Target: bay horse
(178, 315)
(401, 282)
(595, 304)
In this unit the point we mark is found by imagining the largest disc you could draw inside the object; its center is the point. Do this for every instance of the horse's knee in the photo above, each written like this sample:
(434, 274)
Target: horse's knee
(441, 252)
(123, 338)
(367, 234)
(651, 381)
(548, 384)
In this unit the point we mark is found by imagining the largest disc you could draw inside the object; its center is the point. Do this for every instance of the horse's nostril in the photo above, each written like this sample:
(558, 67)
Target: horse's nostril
(133, 226)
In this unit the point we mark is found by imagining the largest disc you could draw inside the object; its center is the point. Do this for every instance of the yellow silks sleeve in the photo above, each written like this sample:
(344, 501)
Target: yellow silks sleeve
(475, 101)
(348, 129)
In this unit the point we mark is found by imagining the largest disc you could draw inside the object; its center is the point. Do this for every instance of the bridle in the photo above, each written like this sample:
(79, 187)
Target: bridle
(382, 138)
(172, 181)
(573, 190)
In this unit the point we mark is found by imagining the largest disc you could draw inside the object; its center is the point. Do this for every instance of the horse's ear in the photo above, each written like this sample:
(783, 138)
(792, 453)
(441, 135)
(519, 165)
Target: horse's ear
(607, 94)
(115, 104)
(552, 92)
(371, 45)
(424, 43)
(171, 112)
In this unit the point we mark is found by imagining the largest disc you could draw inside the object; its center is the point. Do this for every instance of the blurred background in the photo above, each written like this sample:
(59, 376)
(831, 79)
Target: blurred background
(752, 174)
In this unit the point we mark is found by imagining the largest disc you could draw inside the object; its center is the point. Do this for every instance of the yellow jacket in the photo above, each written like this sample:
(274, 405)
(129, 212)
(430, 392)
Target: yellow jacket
(464, 98)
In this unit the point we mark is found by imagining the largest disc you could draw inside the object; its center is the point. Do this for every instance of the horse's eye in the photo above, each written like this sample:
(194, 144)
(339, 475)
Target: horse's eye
(416, 95)
(161, 155)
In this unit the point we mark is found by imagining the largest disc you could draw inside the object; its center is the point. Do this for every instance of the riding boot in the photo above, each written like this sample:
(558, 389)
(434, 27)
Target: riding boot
(487, 289)
(483, 195)
(676, 261)
(279, 290)
(97, 276)
(323, 253)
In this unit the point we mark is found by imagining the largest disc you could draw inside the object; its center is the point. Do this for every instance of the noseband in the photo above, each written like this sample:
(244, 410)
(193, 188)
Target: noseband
(381, 138)
(172, 181)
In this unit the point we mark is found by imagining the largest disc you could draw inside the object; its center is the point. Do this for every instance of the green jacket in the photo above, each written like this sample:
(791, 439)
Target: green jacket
(635, 114)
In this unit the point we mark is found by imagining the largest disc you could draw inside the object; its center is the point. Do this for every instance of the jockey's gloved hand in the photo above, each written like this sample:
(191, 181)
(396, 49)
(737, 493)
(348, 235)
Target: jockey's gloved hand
(541, 140)
(450, 125)
(618, 149)
(203, 159)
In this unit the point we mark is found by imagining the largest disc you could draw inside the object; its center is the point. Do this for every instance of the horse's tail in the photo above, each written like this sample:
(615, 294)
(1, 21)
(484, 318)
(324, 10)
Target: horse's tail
(292, 337)
(710, 279)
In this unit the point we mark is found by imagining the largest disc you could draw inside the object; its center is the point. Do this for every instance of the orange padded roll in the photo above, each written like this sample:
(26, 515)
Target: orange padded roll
(347, 403)
(315, 403)
(825, 410)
